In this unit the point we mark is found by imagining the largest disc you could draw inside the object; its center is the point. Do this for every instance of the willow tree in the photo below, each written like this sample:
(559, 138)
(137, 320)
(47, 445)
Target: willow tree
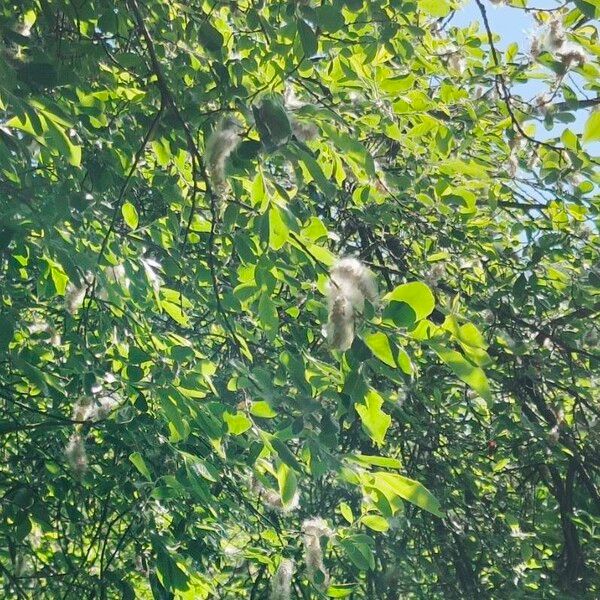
(198, 401)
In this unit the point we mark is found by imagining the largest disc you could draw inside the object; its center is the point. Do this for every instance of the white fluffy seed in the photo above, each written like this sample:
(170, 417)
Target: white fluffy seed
(281, 584)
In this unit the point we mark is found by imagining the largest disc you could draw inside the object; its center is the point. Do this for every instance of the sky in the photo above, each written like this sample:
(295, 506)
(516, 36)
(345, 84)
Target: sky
(516, 25)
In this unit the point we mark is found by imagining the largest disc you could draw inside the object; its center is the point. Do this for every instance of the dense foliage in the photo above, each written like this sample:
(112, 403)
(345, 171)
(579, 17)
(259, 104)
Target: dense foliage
(176, 181)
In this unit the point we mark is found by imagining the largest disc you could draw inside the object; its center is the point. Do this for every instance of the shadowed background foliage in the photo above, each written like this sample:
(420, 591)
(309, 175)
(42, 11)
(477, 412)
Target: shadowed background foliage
(170, 411)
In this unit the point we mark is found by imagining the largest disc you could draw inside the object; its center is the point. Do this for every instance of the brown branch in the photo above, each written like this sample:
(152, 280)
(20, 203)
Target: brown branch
(503, 88)
(577, 105)
(136, 160)
(197, 163)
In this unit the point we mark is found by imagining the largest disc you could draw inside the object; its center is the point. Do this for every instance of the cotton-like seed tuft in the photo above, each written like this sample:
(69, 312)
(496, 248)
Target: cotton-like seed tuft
(271, 499)
(313, 530)
(221, 143)
(106, 404)
(316, 526)
(553, 38)
(76, 455)
(43, 327)
(351, 273)
(572, 55)
(151, 268)
(84, 410)
(349, 285)
(536, 47)
(340, 326)
(305, 132)
(457, 62)
(116, 274)
(436, 273)
(513, 165)
(556, 34)
(281, 584)
(291, 100)
(74, 297)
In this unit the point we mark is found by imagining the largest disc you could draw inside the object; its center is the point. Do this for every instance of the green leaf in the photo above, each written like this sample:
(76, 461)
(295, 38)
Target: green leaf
(201, 467)
(399, 313)
(380, 346)
(258, 192)
(130, 215)
(139, 463)
(330, 17)
(267, 314)
(179, 428)
(7, 330)
(308, 38)
(591, 130)
(272, 122)
(278, 230)
(288, 483)
(352, 149)
(175, 312)
(60, 280)
(374, 420)
(210, 37)
(469, 169)
(315, 171)
(405, 362)
(407, 489)
(435, 8)
(172, 575)
(238, 423)
(499, 466)
(262, 409)
(61, 141)
(285, 454)
(337, 591)
(590, 8)
(417, 295)
(473, 376)
(346, 512)
(375, 522)
(162, 150)
(379, 461)
(359, 550)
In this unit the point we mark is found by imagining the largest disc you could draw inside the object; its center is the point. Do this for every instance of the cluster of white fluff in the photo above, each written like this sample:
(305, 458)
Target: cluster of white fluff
(43, 327)
(281, 584)
(74, 297)
(554, 39)
(88, 409)
(435, 274)
(76, 455)
(271, 498)
(152, 268)
(457, 62)
(349, 285)
(116, 274)
(291, 100)
(105, 406)
(304, 131)
(542, 103)
(221, 143)
(313, 530)
(515, 144)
